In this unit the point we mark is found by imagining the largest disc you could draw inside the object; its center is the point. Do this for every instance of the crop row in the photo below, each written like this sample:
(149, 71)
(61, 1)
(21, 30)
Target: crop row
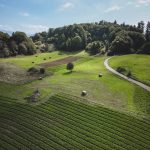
(44, 128)
(113, 118)
(74, 124)
(42, 134)
(80, 139)
(82, 118)
(15, 140)
(100, 110)
(4, 142)
(97, 118)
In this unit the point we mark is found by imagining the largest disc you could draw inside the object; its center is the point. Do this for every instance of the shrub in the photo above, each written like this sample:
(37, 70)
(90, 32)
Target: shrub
(121, 45)
(22, 48)
(121, 69)
(129, 74)
(145, 49)
(42, 70)
(70, 66)
(4, 52)
(110, 53)
(94, 47)
(33, 70)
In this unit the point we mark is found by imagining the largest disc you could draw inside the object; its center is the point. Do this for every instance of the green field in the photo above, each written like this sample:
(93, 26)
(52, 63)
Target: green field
(64, 123)
(109, 90)
(114, 115)
(26, 61)
(139, 65)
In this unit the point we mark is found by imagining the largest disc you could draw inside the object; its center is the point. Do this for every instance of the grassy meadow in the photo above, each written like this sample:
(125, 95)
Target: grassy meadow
(114, 115)
(139, 65)
(26, 61)
(109, 90)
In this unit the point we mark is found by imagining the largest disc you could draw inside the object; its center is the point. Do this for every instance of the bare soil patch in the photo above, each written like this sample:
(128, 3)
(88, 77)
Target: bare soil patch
(60, 61)
(10, 73)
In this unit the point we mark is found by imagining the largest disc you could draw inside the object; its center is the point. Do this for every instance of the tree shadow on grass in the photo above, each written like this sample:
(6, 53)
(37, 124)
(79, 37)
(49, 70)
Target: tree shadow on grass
(69, 72)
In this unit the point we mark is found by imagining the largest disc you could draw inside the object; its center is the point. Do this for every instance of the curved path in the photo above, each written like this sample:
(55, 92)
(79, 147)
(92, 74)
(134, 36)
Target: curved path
(125, 77)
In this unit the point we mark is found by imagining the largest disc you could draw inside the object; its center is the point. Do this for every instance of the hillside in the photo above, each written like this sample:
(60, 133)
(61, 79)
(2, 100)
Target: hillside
(74, 75)
(113, 115)
(108, 90)
(100, 37)
(138, 65)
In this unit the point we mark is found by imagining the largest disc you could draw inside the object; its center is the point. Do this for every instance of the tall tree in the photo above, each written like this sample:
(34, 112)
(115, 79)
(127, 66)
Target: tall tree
(147, 33)
(141, 26)
(115, 22)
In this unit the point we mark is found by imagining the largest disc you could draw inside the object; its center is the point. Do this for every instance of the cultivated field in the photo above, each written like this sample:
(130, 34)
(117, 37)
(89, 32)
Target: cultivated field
(60, 61)
(114, 115)
(64, 123)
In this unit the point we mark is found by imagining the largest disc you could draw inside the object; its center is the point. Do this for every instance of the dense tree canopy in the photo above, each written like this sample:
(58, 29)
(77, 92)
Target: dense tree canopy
(145, 49)
(147, 33)
(98, 37)
(94, 47)
(121, 44)
(115, 38)
(16, 44)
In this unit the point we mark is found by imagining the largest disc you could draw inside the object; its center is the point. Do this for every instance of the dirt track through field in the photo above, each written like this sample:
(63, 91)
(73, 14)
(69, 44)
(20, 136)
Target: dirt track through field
(60, 61)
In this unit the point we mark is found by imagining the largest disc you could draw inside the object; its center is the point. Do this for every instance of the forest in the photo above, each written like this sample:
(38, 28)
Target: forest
(101, 37)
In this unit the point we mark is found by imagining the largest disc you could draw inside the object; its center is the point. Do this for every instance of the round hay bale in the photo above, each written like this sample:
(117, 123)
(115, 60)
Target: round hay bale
(100, 75)
(84, 93)
(40, 78)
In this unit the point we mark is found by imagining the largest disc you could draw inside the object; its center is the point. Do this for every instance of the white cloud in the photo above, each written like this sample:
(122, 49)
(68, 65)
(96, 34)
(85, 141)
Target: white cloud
(29, 29)
(129, 3)
(139, 3)
(66, 6)
(113, 8)
(137, 6)
(6, 27)
(24, 14)
(143, 1)
(33, 28)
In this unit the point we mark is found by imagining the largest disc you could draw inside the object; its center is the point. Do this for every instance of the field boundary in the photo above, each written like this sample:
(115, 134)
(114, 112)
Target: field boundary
(60, 61)
(106, 64)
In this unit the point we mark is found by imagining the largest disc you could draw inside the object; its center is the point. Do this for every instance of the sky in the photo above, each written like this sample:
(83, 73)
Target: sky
(33, 16)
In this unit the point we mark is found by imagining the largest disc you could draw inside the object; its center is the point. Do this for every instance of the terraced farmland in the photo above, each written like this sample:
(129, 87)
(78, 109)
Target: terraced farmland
(65, 123)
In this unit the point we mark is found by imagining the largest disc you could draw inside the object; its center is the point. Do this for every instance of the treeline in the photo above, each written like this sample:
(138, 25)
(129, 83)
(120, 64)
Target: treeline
(96, 38)
(16, 44)
(100, 37)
